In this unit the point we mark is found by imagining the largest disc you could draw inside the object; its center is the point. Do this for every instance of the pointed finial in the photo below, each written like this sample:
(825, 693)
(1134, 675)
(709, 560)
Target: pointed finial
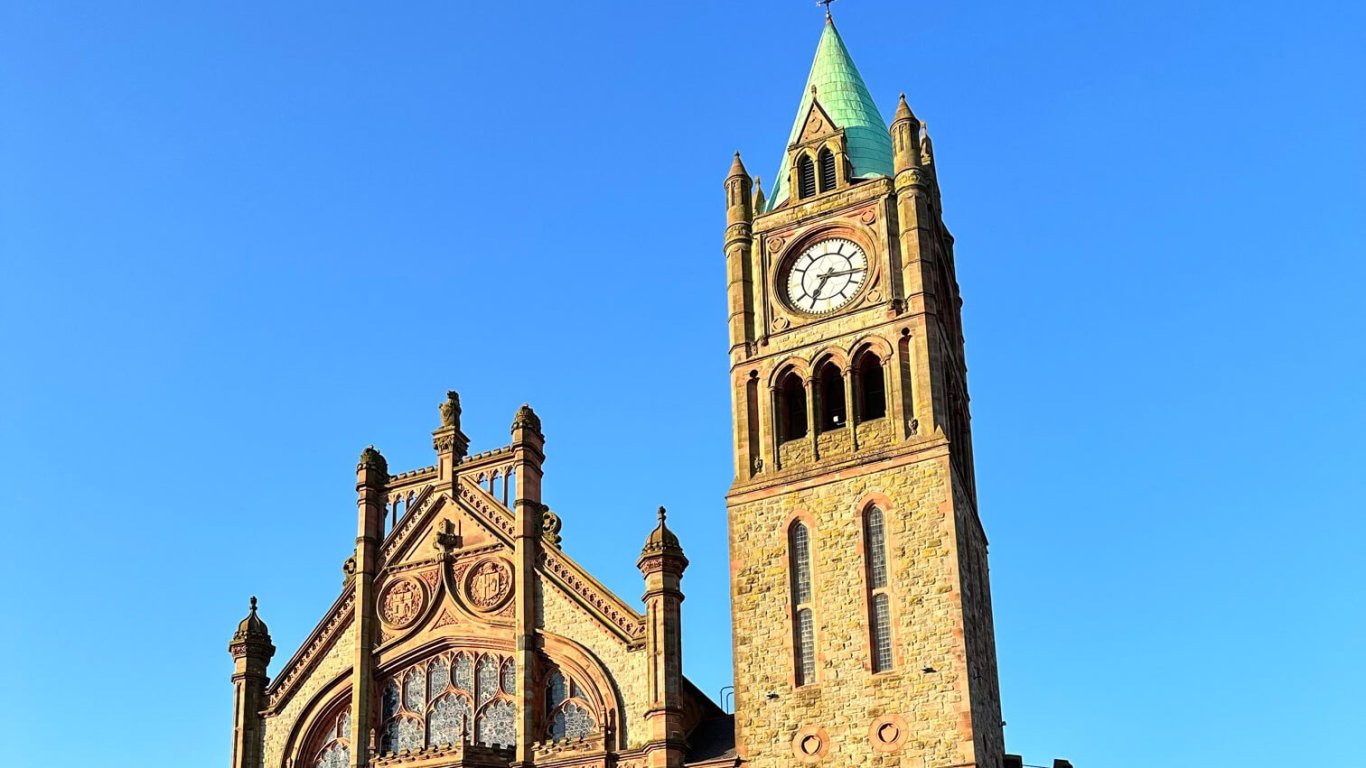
(828, 18)
(661, 520)
(737, 168)
(253, 603)
(903, 110)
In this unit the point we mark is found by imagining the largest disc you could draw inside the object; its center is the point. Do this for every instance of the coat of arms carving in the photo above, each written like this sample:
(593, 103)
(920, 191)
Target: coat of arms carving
(488, 584)
(401, 603)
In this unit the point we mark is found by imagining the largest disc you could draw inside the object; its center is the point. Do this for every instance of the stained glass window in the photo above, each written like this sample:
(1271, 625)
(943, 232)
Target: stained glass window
(509, 678)
(389, 706)
(344, 728)
(334, 755)
(571, 722)
(806, 641)
(497, 724)
(556, 690)
(803, 630)
(447, 721)
(801, 564)
(400, 734)
(487, 672)
(877, 549)
(464, 672)
(880, 614)
(437, 677)
(882, 633)
(414, 691)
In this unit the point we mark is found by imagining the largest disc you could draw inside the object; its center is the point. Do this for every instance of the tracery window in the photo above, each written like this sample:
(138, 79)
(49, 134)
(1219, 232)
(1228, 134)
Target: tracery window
(440, 700)
(879, 604)
(335, 751)
(567, 709)
(803, 622)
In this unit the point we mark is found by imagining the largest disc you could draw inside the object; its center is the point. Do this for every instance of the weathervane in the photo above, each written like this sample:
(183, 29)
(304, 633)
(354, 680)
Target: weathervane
(825, 3)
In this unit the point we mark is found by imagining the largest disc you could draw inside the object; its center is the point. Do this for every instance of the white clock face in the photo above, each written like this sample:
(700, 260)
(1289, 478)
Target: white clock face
(826, 276)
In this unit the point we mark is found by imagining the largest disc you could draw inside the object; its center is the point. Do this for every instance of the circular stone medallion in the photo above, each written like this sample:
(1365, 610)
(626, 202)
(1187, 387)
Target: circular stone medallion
(488, 584)
(401, 603)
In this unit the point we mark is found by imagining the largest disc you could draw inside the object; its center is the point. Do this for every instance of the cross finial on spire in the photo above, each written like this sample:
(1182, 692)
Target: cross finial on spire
(826, 3)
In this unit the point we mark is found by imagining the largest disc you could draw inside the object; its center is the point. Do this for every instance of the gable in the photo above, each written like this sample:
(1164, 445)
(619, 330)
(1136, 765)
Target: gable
(818, 124)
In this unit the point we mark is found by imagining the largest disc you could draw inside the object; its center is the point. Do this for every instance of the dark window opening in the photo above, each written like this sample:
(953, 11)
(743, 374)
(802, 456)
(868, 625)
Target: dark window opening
(806, 177)
(828, 179)
(872, 388)
(833, 413)
(791, 408)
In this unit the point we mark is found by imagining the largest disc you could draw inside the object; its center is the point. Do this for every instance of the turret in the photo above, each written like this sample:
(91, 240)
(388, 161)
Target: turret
(738, 245)
(662, 563)
(905, 138)
(372, 480)
(251, 651)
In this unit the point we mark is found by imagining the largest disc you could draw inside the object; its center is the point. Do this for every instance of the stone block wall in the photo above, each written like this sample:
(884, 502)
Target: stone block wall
(848, 707)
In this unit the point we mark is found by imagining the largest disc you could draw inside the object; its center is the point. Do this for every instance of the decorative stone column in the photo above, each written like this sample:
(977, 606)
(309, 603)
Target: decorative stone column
(528, 453)
(662, 564)
(372, 480)
(251, 651)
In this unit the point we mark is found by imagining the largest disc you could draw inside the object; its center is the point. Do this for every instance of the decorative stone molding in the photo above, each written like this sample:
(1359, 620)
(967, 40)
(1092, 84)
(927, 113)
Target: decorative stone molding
(323, 636)
(810, 744)
(411, 522)
(888, 733)
(626, 621)
(402, 602)
(488, 584)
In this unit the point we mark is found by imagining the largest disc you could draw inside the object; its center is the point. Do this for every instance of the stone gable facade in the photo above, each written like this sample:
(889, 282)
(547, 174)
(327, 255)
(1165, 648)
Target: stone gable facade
(465, 635)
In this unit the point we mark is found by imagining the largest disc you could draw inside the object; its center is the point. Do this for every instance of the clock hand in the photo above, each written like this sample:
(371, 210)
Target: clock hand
(817, 293)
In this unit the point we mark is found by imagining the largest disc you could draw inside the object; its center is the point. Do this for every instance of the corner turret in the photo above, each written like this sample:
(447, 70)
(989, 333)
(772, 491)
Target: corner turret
(251, 651)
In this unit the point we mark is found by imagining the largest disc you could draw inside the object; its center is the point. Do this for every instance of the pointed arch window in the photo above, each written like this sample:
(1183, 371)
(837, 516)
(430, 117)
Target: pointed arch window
(791, 407)
(833, 413)
(434, 703)
(879, 603)
(806, 177)
(828, 175)
(568, 712)
(803, 621)
(872, 388)
(335, 751)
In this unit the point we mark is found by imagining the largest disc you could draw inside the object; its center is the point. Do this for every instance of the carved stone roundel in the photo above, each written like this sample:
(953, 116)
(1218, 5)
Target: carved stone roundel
(401, 603)
(488, 584)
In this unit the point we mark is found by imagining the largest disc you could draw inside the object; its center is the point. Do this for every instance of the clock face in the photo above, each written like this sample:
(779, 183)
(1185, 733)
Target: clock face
(826, 276)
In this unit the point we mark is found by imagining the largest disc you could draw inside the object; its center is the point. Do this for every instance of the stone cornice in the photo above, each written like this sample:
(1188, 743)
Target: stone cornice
(337, 618)
(597, 599)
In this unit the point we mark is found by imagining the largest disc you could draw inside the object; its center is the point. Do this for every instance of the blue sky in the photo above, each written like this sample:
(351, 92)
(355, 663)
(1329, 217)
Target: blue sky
(240, 241)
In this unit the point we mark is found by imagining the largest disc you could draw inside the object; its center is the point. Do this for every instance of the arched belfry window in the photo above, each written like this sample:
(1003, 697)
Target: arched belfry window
(803, 621)
(872, 388)
(879, 603)
(791, 407)
(833, 413)
(806, 177)
(828, 176)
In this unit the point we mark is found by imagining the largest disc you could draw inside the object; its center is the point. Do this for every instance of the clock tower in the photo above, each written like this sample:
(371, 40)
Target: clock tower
(860, 595)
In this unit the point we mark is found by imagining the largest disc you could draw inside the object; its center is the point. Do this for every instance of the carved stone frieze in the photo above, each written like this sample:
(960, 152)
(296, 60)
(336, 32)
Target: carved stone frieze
(402, 602)
(488, 585)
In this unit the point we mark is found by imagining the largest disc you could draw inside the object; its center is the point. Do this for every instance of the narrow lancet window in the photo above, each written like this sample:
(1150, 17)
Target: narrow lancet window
(803, 622)
(879, 603)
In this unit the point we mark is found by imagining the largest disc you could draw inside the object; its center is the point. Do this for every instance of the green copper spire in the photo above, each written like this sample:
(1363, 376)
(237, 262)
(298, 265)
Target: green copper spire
(842, 94)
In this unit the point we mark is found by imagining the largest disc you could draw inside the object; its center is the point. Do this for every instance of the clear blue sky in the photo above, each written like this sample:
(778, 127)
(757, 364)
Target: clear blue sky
(240, 241)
